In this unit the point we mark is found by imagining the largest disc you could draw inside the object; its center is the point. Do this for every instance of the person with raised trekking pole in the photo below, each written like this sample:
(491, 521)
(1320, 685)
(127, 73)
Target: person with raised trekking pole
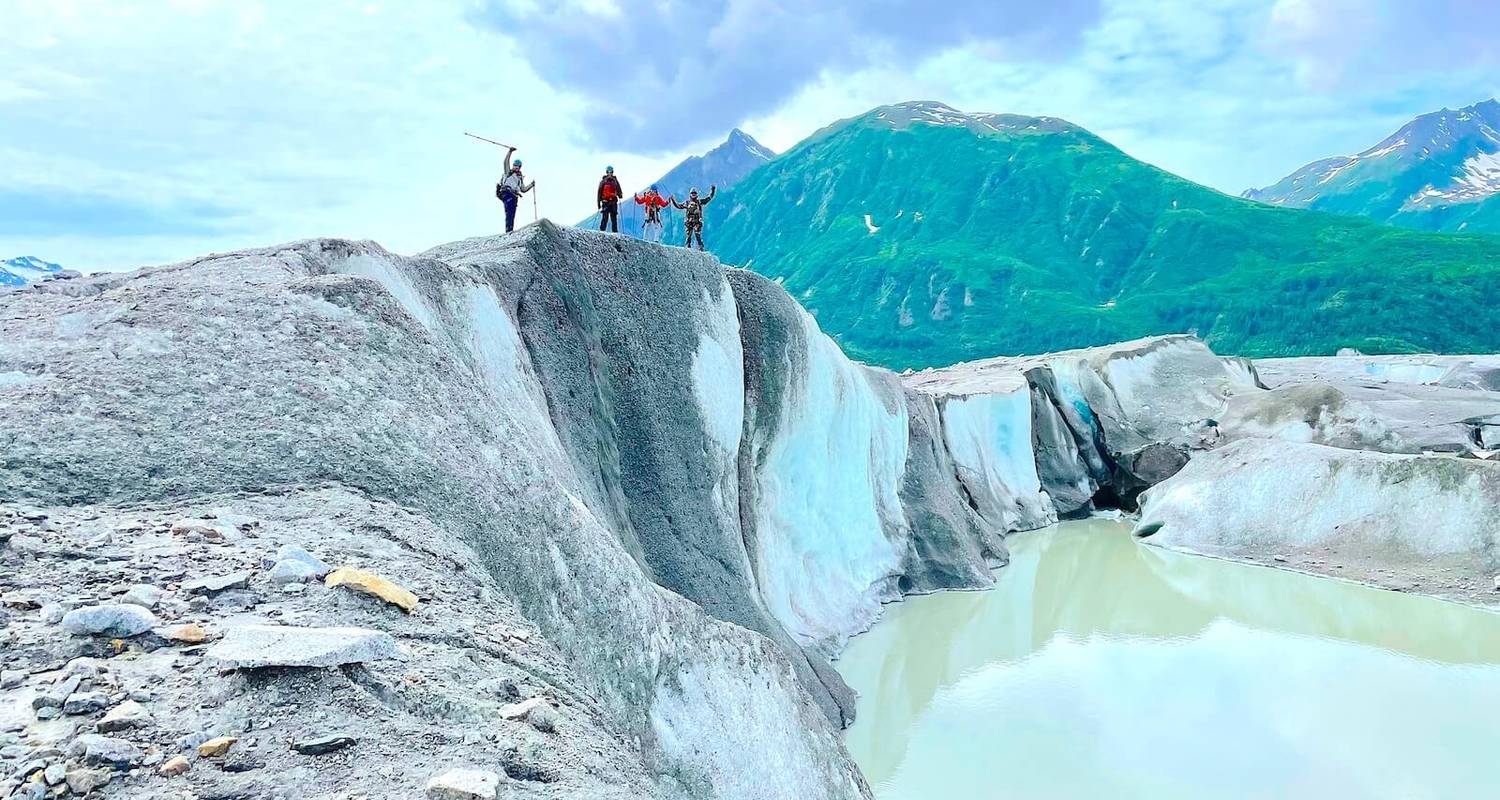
(511, 187)
(607, 199)
(652, 201)
(693, 214)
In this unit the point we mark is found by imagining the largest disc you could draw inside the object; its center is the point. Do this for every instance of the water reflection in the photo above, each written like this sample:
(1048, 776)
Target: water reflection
(1099, 664)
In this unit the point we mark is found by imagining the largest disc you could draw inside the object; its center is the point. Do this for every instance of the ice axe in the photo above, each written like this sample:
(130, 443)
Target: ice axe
(491, 141)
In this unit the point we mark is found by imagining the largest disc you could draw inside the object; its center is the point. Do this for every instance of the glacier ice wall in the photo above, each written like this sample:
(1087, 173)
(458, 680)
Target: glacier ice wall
(826, 447)
(683, 482)
(990, 439)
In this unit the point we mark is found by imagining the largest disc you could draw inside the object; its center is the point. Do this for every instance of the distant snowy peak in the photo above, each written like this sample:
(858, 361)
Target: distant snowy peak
(902, 116)
(739, 140)
(723, 166)
(1447, 157)
(27, 269)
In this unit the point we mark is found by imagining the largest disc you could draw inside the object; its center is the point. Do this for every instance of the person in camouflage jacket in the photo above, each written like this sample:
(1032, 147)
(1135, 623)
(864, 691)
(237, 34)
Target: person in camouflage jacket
(693, 214)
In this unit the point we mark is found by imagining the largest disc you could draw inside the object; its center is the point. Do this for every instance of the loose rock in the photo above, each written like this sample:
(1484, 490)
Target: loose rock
(323, 744)
(143, 595)
(290, 553)
(217, 746)
(83, 781)
(128, 714)
(544, 718)
(372, 584)
(11, 678)
(256, 646)
(523, 708)
(58, 693)
(176, 765)
(105, 751)
(465, 784)
(85, 703)
(116, 619)
(191, 633)
(285, 572)
(217, 583)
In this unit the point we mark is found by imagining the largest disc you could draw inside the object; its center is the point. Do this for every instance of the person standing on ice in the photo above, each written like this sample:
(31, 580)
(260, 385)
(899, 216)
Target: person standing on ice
(693, 215)
(510, 188)
(653, 202)
(608, 200)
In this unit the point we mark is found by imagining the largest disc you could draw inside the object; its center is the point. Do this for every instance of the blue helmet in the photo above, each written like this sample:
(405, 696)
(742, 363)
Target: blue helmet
(610, 169)
(653, 187)
(516, 163)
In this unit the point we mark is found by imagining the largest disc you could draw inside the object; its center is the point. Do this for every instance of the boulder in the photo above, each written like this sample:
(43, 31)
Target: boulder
(120, 620)
(258, 646)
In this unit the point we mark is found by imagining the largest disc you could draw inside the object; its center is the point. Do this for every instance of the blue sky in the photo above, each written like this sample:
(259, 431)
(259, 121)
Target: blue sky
(140, 133)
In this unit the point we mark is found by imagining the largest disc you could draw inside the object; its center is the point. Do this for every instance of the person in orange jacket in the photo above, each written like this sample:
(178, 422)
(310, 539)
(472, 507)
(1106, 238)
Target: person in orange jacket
(653, 202)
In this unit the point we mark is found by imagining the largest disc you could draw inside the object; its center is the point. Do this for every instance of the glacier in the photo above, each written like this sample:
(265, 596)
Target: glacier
(664, 465)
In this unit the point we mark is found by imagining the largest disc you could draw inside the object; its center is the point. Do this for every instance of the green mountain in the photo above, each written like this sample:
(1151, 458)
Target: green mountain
(1439, 172)
(919, 235)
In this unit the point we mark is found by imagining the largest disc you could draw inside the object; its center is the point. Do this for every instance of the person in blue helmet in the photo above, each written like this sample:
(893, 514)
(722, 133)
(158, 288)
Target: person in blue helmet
(653, 202)
(511, 187)
(608, 200)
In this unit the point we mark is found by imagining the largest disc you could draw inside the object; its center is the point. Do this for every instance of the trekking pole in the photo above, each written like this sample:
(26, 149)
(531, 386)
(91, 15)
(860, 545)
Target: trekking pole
(533, 203)
(491, 141)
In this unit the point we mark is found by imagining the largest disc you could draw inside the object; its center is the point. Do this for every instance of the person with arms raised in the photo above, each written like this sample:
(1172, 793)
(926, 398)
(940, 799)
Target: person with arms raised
(693, 214)
(653, 202)
(511, 187)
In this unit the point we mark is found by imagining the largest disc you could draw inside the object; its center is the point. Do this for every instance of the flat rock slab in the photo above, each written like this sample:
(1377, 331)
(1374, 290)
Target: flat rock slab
(464, 784)
(259, 646)
(217, 583)
(323, 745)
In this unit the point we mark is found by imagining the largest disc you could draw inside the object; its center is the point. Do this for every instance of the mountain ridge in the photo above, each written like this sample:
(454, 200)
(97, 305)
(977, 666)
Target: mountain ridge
(920, 236)
(1438, 172)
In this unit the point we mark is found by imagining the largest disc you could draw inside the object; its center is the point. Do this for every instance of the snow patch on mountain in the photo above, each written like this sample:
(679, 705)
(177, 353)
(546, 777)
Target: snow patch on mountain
(901, 116)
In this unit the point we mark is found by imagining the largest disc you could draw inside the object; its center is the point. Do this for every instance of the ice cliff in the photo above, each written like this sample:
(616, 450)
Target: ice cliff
(662, 466)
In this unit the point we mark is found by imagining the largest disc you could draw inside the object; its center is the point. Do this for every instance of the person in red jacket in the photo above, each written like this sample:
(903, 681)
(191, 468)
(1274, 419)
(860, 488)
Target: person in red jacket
(608, 200)
(653, 202)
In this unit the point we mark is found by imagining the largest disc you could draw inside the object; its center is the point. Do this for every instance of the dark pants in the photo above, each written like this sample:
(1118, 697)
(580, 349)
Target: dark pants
(695, 231)
(510, 201)
(609, 214)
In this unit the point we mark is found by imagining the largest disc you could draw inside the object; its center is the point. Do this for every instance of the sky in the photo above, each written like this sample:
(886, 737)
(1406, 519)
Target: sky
(136, 133)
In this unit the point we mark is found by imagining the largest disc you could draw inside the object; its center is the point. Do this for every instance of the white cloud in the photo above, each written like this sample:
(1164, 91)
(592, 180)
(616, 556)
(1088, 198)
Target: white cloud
(301, 121)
